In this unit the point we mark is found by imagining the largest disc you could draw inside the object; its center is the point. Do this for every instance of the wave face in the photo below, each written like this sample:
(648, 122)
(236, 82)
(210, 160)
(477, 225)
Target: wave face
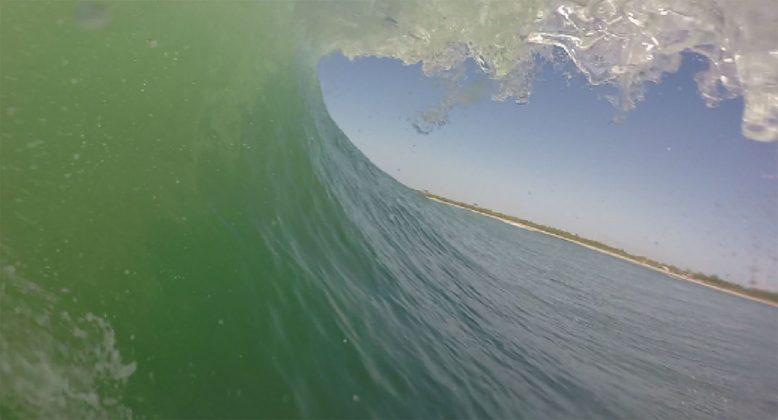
(186, 232)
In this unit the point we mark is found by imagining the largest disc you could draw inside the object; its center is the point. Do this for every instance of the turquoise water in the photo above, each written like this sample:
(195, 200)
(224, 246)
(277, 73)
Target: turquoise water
(186, 233)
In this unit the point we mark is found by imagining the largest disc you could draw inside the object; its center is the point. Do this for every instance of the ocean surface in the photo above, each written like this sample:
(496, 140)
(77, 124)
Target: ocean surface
(185, 233)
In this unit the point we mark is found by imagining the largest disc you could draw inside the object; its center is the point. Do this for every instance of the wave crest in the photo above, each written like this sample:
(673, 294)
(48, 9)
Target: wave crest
(624, 43)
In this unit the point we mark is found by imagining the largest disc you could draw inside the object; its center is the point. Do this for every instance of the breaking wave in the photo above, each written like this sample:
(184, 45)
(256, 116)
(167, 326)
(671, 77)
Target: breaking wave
(624, 43)
(187, 233)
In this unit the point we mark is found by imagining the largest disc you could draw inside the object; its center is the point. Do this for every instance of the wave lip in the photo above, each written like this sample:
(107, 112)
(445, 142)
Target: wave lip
(624, 43)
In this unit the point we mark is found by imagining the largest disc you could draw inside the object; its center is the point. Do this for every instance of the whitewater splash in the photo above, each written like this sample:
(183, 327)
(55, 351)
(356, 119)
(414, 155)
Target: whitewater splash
(624, 43)
(56, 364)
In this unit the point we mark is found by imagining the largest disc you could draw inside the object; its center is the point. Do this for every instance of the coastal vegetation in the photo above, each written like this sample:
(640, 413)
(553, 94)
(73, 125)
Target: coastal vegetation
(709, 279)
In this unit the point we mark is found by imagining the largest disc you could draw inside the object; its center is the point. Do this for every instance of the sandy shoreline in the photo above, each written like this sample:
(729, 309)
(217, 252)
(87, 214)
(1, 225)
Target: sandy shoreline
(670, 274)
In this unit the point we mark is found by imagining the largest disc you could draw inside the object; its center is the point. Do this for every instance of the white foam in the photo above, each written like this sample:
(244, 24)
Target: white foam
(52, 364)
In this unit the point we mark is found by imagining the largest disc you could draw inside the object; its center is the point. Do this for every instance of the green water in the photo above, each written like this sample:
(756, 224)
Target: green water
(123, 165)
(184, 232)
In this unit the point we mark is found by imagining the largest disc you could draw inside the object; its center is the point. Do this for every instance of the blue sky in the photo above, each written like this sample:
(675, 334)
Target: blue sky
(675, 181)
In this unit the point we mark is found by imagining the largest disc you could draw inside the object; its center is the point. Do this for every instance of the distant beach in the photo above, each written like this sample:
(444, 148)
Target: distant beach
(666, 271)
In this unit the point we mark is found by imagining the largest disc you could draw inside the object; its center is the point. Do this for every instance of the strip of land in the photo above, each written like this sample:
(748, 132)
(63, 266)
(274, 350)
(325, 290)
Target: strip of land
(712, 281)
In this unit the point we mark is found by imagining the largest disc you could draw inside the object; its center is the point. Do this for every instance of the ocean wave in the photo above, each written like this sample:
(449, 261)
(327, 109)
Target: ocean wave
(172, 172)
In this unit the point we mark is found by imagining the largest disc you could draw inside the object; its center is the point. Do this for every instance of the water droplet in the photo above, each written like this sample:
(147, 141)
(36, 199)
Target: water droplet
(91, 16)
